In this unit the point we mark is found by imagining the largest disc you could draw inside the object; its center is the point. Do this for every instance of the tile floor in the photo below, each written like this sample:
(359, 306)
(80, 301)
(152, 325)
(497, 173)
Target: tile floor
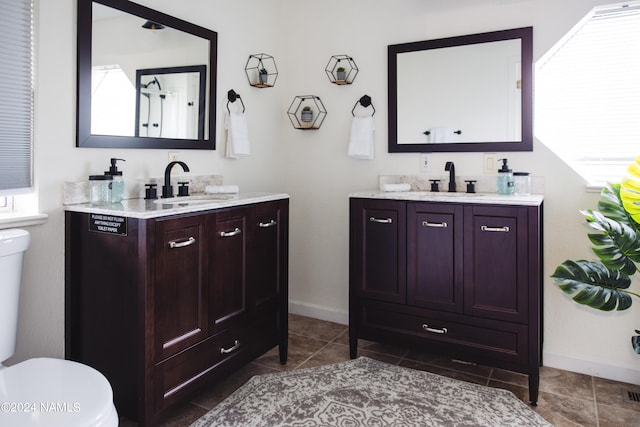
(566, 398)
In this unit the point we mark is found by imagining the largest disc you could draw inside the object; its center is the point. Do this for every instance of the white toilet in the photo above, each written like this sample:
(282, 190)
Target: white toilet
(43, 391)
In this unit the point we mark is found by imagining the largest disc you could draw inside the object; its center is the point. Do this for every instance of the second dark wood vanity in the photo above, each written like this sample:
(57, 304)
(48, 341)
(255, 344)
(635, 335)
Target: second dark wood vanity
(461, 279)
(163, 306)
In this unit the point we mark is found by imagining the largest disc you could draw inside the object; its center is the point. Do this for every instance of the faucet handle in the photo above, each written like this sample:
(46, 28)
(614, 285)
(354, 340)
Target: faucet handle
(150, 192)
(471, 185)
(434, 185)
(183, 188)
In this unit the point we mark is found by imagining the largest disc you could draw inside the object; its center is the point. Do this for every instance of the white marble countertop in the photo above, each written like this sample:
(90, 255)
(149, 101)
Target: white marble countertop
(428, 196)
(144, 209)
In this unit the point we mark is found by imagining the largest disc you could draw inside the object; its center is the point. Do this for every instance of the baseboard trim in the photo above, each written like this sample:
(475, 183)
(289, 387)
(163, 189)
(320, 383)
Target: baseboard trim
(589, 367)
(318, 312)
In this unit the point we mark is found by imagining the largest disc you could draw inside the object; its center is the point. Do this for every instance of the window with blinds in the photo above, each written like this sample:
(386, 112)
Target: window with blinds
(16, 96)
(588, 94)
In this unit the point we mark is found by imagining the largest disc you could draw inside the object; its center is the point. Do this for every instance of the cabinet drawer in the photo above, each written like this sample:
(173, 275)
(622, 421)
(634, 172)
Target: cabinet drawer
(174, 376)
(474, 339)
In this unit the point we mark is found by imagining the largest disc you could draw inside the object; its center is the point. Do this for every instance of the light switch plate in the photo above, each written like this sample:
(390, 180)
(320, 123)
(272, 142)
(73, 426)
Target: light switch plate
(490, 163)
(425, 163)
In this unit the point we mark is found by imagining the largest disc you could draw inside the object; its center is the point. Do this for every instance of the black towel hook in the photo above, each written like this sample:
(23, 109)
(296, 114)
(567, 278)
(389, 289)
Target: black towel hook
(365, 101)
(231, 97)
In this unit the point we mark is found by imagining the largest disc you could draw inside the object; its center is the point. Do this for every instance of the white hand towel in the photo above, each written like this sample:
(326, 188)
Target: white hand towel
(396, 187)
(221, 189)
(440, 135)
(237, 135)
(361, 141)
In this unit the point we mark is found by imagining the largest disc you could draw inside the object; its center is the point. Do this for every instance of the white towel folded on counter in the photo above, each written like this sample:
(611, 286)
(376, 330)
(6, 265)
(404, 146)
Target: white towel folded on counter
(237, 135)
(395, 187)
(221, 189)
(361, 140)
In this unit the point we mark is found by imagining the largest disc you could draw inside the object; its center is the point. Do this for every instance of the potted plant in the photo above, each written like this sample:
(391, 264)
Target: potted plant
(263, 76)
(307, 114)
(605, 285)
(341, 74)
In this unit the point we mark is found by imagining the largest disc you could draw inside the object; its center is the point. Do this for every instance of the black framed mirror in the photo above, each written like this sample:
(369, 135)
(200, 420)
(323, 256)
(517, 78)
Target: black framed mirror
(117, 38)
(469, 93)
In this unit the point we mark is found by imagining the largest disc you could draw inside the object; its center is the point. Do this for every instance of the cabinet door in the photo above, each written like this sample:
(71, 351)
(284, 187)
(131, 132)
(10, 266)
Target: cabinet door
(267, 266)
(179, 291)
(434, 256)
(378, 249)
(228, 268)
(496, 262)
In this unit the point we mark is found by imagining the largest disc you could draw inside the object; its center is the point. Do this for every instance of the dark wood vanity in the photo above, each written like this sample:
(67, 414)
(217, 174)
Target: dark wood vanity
(163, 306)
(454, 278)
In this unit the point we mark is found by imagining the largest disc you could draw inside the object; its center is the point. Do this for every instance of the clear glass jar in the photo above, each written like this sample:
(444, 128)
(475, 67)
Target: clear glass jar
(504, 183)
(522, 183)
(99, 187)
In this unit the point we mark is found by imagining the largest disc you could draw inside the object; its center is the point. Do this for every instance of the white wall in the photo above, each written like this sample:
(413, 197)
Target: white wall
(312, 166)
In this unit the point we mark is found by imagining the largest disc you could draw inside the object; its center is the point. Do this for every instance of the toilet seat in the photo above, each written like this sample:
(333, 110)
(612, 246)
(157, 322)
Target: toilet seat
(55, 392)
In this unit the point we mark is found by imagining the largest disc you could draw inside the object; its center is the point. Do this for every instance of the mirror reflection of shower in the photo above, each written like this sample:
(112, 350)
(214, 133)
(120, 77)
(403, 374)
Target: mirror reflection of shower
(152, 96)
(170, 102)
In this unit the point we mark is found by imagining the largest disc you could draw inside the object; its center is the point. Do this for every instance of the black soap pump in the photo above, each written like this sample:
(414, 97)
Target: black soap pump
(504, 182)
(117, 184)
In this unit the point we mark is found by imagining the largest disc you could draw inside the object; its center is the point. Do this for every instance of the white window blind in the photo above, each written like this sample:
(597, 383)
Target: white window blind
(588, 94)
(16, 95)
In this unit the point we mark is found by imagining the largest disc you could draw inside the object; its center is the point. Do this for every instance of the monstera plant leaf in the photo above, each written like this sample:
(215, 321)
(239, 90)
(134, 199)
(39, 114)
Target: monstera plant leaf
(618, 247)
(605, 286)
(594, 285)
(610, 205)
(635, 342)
(630, 190)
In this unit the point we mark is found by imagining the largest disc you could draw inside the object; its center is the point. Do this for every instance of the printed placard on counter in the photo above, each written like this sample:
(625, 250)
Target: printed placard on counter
(108, 224)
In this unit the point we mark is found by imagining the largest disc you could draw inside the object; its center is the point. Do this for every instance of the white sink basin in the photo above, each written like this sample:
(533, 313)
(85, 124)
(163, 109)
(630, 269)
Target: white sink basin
(196, 198)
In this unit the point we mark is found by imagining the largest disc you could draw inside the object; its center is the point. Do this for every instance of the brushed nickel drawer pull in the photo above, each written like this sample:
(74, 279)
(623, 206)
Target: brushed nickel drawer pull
(175, 244)
(504, 229)
(267, 224)
(236, 345)
(434, 224)
(230, 233)
(381, 220)
(434, 330)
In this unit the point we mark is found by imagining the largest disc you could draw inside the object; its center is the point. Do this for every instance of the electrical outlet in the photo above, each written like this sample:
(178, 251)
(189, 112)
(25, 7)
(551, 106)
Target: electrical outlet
(425, 164)
(490, 163)
(174, 156)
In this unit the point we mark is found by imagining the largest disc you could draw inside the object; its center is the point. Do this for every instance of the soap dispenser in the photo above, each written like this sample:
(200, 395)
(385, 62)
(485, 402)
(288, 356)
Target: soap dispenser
(504, 182)
(117, 183)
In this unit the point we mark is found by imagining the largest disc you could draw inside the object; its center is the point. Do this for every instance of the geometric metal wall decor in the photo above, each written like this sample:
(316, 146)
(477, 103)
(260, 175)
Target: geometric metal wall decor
(261, 70)
(307, 112)
(341, 69)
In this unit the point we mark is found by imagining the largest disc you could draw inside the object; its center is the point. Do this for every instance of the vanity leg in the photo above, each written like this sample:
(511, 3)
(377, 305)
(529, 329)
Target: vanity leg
(283, 345)
(283, 350)
(534, 386)
(353, 347)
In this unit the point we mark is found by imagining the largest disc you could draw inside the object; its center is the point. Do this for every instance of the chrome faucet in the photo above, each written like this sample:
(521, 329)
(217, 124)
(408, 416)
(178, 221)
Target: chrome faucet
(167, 189)
(452, 176)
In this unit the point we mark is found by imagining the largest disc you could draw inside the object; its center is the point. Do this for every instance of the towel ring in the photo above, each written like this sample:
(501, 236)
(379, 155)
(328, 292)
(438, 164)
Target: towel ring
(232, 96)
(365, 101)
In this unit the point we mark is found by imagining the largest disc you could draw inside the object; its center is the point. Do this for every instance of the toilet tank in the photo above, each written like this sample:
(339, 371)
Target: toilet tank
(13, 244)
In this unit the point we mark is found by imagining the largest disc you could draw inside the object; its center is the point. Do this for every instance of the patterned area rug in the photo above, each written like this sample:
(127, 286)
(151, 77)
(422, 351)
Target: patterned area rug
(365, 392)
